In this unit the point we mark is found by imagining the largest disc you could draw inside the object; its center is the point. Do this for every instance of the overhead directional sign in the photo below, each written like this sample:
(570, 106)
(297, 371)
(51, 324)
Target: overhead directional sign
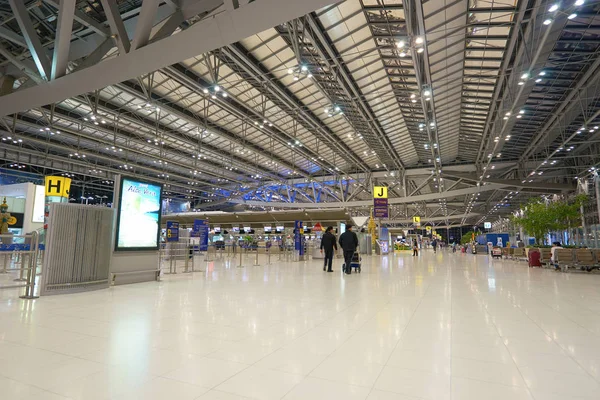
(380, 208)
(417, 221)
(380, 192)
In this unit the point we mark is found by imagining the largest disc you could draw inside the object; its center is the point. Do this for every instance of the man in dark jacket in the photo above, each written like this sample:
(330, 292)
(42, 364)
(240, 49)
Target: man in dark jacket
(328, 243)
(349, 243)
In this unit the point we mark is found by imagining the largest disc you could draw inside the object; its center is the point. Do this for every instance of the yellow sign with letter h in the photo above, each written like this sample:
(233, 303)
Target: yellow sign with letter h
(57, 186)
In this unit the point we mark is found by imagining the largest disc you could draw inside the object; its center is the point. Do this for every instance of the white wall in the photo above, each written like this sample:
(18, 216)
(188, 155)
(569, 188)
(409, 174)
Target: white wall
(26, 190)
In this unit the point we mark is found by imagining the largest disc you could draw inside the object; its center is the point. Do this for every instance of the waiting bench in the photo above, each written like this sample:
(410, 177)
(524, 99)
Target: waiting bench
(586, 260)
(519, 253)
(564, 258)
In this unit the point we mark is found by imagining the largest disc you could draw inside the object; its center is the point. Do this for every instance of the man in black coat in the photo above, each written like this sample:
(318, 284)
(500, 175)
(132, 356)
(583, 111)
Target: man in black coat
(349, 244)
(328, 243)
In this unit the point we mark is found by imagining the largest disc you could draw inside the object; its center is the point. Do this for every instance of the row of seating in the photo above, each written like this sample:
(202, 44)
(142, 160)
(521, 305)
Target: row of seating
(584, 259)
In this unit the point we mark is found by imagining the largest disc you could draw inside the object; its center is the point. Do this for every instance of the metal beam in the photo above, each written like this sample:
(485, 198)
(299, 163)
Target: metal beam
(547, 186)
(11, 36)
(590, 78)
(144, 24)
(369, 203)
(119, 33)
(352, 91)
(285, 97)
(83, 19)
(220, 30)
(31, 38)
(62, 41)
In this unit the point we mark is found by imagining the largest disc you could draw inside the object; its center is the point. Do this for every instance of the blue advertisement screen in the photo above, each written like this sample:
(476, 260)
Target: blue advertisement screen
(138, 221)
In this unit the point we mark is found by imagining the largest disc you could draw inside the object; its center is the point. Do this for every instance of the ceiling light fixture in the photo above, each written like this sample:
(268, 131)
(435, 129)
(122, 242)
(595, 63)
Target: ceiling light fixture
(300, 72)
(548, 21)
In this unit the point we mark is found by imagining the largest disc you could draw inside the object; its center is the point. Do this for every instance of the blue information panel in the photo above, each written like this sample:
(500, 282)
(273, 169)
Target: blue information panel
(298, 236)
(172, 231)
(380, 208)
(201, 230)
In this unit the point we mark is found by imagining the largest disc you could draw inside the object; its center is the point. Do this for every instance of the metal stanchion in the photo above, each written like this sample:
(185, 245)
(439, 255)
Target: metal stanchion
(193, 257)
(32, 270)
(186, 262)
(256, 264)
(268, 256)
(172, 261)
(4, 268)
(240, 265)
(208, 254)
(27, 257)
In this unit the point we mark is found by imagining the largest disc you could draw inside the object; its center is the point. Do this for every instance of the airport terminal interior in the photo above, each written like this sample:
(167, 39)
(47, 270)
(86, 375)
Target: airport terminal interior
(284, 199)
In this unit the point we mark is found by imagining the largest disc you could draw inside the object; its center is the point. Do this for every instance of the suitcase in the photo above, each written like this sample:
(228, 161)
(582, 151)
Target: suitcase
(535, 258)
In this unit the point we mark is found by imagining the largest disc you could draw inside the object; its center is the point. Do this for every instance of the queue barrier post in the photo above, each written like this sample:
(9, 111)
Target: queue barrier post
(240, 265)
(256, 264)
(32, 270)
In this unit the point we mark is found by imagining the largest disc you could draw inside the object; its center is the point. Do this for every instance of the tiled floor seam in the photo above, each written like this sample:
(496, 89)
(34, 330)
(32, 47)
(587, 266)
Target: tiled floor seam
(396, 346)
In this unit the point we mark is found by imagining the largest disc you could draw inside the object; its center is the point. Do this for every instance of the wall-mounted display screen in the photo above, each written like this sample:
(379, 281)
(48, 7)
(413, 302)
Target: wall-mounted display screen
(236, 229)
(217, 229)
(247, 229)
(342, 227)
(138, 218)
(268, 229)
(279, 228)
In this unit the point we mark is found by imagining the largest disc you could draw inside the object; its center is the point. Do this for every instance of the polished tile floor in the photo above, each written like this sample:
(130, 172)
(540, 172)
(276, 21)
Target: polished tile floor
(436, 327)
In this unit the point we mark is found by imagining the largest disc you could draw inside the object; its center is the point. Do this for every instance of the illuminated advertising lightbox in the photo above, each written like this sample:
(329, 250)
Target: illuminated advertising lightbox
(38, 204)
(138, 219)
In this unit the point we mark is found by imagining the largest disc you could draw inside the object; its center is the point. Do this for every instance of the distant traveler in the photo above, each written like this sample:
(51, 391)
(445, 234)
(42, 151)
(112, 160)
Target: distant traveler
(555, 246)
(434, 245)
(328, 243)
(349, 243)
(415, 248)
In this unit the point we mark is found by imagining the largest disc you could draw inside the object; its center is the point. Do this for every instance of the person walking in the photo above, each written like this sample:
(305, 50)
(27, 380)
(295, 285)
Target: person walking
(349, 244)
(328, 243)
(415, 248)
(434, 245)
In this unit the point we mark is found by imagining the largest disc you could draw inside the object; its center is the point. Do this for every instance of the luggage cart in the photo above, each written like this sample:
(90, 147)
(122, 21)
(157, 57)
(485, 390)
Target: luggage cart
(355, 263)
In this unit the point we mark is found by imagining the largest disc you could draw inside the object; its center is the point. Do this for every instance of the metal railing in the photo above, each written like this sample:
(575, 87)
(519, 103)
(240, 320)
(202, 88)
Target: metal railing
(21, 257)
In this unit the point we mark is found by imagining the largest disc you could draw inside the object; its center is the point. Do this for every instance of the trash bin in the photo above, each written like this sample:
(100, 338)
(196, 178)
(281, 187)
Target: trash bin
(534, 258)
